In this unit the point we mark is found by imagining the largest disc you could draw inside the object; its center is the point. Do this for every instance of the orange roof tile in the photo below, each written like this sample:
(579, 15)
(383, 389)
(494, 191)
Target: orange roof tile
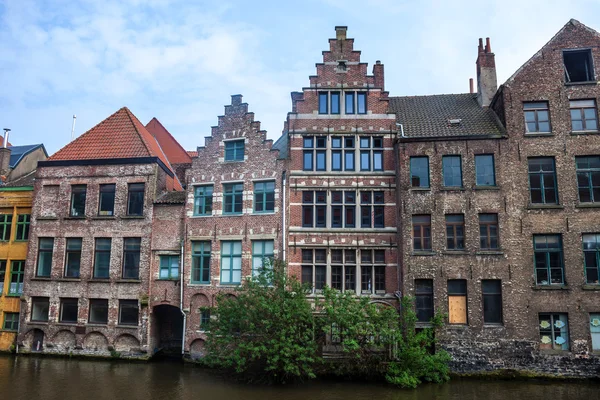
(171, 147)
(192, 153)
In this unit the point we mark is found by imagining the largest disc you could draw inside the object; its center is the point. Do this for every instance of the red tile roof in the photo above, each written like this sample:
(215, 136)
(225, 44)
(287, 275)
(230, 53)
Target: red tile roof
(171, 147)
(121, 135)
(192, 153)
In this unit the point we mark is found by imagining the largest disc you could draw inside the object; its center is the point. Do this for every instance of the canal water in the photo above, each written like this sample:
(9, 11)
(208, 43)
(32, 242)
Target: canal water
(63, 379)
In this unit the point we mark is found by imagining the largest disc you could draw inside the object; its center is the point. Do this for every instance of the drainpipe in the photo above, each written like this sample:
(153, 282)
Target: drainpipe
(181, 273)
(283, 212)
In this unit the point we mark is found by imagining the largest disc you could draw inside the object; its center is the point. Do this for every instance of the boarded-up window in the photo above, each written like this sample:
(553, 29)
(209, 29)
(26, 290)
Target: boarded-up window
(457, 301)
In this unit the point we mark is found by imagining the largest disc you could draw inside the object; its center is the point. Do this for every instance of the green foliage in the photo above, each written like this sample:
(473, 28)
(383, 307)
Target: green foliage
(266, 333)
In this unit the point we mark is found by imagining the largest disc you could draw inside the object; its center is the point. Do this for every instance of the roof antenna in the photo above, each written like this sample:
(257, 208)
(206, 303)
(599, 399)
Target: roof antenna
(73, 128)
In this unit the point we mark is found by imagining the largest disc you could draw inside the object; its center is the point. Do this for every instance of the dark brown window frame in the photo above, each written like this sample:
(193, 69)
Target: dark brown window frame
(454, 225)
(487, 230)
(421, 226)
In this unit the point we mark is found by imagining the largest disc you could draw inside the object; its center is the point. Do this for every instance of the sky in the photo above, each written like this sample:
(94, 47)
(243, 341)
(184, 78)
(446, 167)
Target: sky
(180, 61)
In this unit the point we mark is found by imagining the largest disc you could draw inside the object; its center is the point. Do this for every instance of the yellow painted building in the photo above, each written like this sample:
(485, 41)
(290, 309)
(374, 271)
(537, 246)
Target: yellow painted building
(15, 211)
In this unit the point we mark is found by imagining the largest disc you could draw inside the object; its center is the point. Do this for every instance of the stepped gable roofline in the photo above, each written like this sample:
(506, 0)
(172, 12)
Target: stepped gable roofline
(175, 153)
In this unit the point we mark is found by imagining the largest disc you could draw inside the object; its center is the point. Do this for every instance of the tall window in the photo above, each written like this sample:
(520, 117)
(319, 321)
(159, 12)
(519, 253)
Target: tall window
(98, 311)
(73, 258)
(204, 319)
(343, 209)
(335, 102)
(349, 146)
(233, 194)
(68, 311)
(2, 274)
(264, 196)
(231, 262)
(361, 102)
(106, 201)
(584, 115)
(135, 199)
(203, 199)
(485, 174)
(421, 232)
(419, 172)
(591, 256)
(23, 221)
(336, 153)
(578, 65)
(102, 258)
(595, 330)
(372, 271)
(371, 153)
(424, 299)
(128, 312)
(169, 267)
(548, 254)
(44, 262)
(554, 331)
(17, 273)
(5, 227)
(455, 231)
(11, 321)
(372, 209)
(542, 181)
(492, 301)
(234, 150)
(314, 268)
(39, 309)
(314, 209)
(78, 194)
(349, 102)
(457, 301)
(131, 258)
(200, 262)
(452, 170)
(488, 231)
(262, 252)
(323, 102)
(537, 117)
(343, 269)
(588, 178)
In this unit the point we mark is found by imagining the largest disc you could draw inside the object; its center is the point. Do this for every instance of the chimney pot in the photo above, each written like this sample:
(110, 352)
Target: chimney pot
(480, 48)
(488, 47)
(471, 85)
(340, 32)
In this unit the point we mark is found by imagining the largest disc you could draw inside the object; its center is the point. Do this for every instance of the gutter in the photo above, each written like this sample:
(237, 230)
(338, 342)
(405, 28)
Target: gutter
(181, 273)
(283, 212)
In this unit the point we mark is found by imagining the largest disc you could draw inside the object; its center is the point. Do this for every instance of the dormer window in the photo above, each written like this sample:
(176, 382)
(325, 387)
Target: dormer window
(578, 66)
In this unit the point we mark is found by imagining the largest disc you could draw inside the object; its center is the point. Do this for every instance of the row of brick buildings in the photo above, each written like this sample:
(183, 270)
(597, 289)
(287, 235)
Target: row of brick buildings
(482, 205)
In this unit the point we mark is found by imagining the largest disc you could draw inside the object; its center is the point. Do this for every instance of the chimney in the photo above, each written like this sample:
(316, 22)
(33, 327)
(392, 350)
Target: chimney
(5, 155)
(486, 73)
(340, 32)
(471, 85)
(378, 74)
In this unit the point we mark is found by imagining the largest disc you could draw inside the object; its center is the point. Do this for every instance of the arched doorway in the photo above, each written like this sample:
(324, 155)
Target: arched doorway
(167, 330)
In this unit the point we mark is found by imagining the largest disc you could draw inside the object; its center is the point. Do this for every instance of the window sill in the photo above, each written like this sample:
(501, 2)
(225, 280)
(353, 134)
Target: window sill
(590, 287)
(21, 240)
(531, 206)
(199, 284)
(133, 216)
(74, 217)
(581, 83)
(554, 352)
(551, 287)
(452, 189)
(100, 217)
(455, 252)
(539, 134)
(74, 323)
(489, 253)
(68, 279)
(263, 213)
(587, 205)
(232, 214)
(420, 189)
(41, 278)
(128, 281)
(493, 326)
(13, 294)
(202, 216)
(46, 218)
(44, 323)
(97, 324)
(167, 279)
(486, 187)
(9, 331)
(127, 326)
(457, 326)
(582, 133)
(99, 280)
(423, 253)
(229, 285)
(232, 161)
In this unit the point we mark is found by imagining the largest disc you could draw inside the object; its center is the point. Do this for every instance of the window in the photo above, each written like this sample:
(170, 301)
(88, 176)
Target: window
(135, 199)
(73, 258)
(2, 274)
(343, 209)
(554, 331)
(349, 145)
(131, 258)
(335, 102)
(343, 269)
(40, 306)
(424, 299)
(419, 172)
(262, 250)
(455, 231)
(336, 154)
(44, 262)
(421, 232)
(169, 267)
(11, 321)
(372, 209)
(128, 312)
(234, 150)
(200, 262)
(5, 227)
(314, 268)
(595, 330)
(308, 142)
(548, 255)
(349, 102)
(537, 117)
(321, 153)
(372, 271)
(588, 178)
(591, 257)
(98, 311)
(452, 170)
(231, 262)
(204, 319)
(361, 102)
(23, 221)
(102, 258)
(264, 196)
(584, 116)
(457, 301)
(203, 199)
(314, 209)
(106, 201)
(492, 301)
(68, 311)
(488, 231)
(233, 194)
(371, 153)
(485, 174)
(578, 65)
(78, 193)
(542, 181)
(323, 100)
(17, 273)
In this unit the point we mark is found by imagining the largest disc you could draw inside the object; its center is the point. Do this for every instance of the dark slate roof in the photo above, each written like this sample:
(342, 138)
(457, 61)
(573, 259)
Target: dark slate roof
(282, 145)
(26, 180)
(18, 152)
(428, 116)
(174, 197)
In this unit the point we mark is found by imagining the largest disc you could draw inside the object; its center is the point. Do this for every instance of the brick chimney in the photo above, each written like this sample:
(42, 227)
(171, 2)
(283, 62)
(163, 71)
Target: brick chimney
(340, 32)
(5, 155)
(486, 73)
(378, 75)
